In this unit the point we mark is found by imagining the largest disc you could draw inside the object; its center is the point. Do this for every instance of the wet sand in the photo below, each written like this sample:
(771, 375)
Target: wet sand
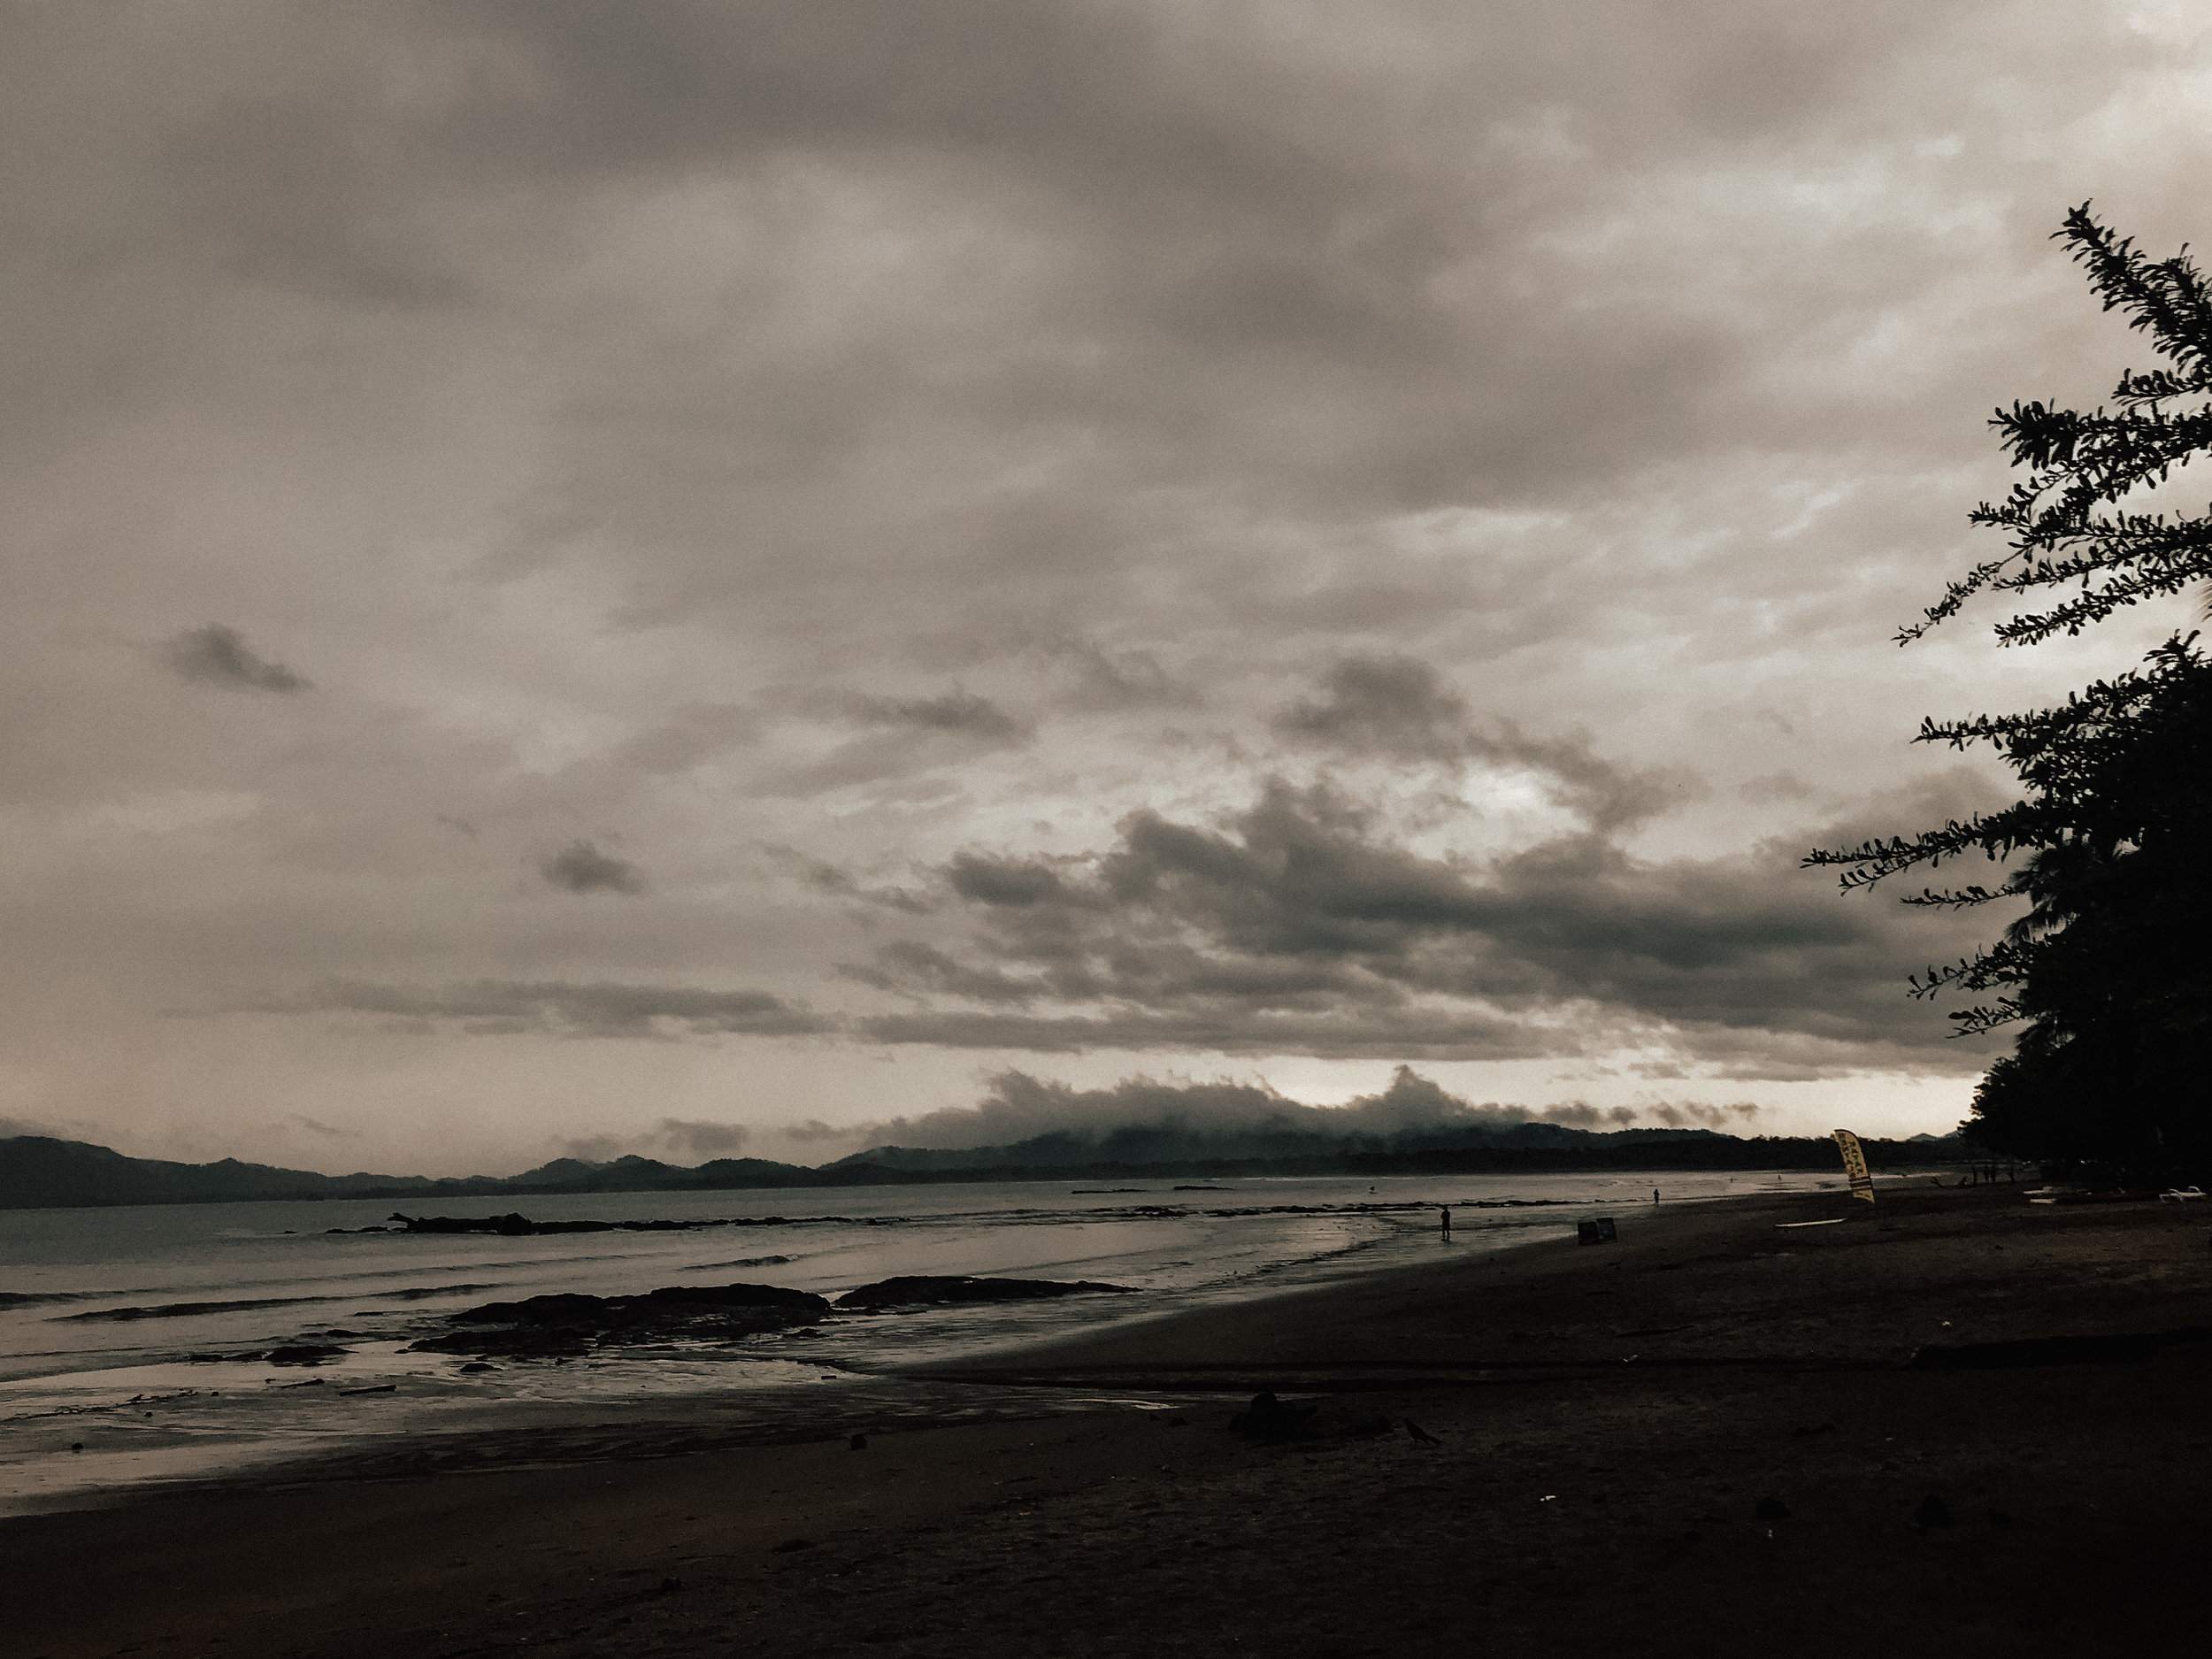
(1617, 1429)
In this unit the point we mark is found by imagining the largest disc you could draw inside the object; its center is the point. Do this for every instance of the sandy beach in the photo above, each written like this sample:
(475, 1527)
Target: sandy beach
(1705, 1438)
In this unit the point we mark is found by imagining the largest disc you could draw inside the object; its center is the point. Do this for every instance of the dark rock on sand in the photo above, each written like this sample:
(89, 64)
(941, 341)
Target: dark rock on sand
(653, 1307)
(894, 1293)
(303, 1354)
(565, 1326)
(519, 1226)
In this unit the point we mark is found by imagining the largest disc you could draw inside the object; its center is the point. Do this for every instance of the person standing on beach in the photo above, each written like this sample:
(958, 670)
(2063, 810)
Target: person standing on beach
(1447, 1228)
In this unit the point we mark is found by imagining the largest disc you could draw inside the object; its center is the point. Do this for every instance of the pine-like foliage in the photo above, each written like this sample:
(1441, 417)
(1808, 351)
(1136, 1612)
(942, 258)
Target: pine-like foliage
(2111, 842)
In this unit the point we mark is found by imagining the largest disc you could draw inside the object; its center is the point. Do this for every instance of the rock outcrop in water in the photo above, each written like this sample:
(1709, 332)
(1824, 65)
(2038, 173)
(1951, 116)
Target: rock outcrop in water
(559, 1325)
(303, 1353)
(518, 1227)
(895, 1293)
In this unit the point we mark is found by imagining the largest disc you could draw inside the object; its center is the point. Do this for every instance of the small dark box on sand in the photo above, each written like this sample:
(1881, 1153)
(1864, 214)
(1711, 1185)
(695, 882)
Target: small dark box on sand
(1597, 1232)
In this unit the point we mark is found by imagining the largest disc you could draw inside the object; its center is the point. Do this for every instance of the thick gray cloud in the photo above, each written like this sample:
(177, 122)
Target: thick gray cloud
(921, 468)
(218, 656)
(509, 1007)
(676, 1138)
(1016, 1106)
(581, 867)
(1383, 705)
(954, 712)
(1398, 707)
(1300, 925)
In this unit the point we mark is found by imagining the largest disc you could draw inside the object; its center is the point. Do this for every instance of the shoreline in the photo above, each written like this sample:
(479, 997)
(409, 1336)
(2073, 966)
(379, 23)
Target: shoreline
(1660, 1388)
(219, 1422)
(106, 1187)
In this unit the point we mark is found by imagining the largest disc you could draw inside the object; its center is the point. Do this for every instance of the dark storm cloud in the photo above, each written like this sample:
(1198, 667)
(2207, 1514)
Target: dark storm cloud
(1398, 707)
(1011, 883)
(906, 964)
(581, 867)
(1582, 1115)
(956, 712)
(1017, 1106)
(1303, 924)
(839, 882)
(218, 656)
(703, 1139)
(1696, 1114)
(1302, 927)
(501, 1007)
(1369, 1029)
(679, 1137)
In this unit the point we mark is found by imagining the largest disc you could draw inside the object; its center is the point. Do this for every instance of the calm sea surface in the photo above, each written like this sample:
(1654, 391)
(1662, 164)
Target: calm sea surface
(101, 1309)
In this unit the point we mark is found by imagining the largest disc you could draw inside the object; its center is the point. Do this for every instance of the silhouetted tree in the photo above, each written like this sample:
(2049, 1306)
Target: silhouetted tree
(2113, 836)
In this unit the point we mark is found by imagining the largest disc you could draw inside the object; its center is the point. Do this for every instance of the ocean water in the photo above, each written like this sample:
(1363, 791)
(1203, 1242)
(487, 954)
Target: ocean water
(102, 1311)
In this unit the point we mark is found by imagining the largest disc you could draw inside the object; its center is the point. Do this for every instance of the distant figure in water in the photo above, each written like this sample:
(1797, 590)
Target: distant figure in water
(1448, 1221)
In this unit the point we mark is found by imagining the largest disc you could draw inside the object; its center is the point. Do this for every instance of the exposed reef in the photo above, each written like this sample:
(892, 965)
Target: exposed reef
(926, 1289)
(518, 1227)
(562, 1325)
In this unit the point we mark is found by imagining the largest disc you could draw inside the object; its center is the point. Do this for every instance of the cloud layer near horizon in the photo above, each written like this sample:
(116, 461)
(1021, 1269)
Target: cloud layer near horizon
(1015, 1107)
(963, 530)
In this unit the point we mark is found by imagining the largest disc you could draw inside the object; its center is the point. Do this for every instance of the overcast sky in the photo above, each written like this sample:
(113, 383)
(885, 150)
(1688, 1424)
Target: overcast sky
(631, 576)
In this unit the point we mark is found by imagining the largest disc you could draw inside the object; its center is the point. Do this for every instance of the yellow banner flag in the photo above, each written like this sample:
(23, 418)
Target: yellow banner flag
(1855, 1164)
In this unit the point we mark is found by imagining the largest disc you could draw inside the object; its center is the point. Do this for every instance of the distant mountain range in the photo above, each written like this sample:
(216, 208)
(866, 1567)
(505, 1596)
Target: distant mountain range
(39, 1172)
(1171, 1143)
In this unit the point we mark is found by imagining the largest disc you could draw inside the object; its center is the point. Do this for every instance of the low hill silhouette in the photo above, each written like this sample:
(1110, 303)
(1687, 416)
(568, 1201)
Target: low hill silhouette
(42, 1172)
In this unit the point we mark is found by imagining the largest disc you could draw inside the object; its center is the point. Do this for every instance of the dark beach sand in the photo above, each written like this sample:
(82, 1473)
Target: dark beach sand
(1610, 1419)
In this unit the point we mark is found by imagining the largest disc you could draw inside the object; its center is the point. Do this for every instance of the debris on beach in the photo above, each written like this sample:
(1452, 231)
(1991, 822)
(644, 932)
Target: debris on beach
(303, 1353)
(562, 1325)
(929, 1288)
